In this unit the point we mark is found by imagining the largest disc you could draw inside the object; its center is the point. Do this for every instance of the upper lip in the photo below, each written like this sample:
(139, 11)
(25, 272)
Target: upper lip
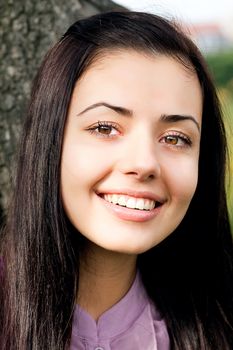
(133, 193)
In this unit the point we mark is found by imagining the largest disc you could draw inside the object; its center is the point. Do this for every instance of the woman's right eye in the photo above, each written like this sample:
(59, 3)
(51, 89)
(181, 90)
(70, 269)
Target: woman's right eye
(104, 129)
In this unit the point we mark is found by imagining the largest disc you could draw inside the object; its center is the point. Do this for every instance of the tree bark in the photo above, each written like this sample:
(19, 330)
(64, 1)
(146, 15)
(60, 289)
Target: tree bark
(27, 29)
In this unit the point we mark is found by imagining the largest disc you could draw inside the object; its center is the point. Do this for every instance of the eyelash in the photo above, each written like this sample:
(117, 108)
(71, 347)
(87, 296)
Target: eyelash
(187, 142)
(106, 125)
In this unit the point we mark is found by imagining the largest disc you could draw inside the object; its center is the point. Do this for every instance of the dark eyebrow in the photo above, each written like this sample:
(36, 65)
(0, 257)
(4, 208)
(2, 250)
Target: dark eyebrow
(120, 110)
(171, 118)
(167, 118)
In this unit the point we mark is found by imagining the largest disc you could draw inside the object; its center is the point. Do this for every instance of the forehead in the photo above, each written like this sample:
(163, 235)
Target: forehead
(136, 79)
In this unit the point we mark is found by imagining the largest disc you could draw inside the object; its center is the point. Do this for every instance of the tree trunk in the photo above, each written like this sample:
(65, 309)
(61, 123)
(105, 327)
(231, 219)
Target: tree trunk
(27, 29)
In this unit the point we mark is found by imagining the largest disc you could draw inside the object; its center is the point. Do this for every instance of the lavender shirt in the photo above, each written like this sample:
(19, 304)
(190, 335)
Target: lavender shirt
(131, 324)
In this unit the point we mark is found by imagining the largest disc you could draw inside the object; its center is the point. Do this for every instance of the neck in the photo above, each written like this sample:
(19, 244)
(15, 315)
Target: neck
(104, 278)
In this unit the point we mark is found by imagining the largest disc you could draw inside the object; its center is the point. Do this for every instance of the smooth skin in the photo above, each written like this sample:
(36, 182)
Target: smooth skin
(150, 144)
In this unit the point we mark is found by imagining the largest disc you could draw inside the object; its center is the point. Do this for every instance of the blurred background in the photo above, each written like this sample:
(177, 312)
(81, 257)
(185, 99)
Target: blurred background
(29, 27)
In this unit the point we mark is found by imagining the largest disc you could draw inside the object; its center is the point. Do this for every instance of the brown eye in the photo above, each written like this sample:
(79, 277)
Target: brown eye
(105, 129)
(176, 139)
(172, 140)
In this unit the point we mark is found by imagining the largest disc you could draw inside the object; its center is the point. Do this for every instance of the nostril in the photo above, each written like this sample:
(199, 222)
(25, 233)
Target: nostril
(151, 177)
(141, 175)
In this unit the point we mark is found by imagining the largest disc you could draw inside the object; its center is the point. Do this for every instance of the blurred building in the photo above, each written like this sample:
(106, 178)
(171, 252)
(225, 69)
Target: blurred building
(210, 37)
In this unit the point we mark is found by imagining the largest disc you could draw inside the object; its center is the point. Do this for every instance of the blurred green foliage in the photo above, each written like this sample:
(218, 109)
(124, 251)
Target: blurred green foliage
(221, 67)
(227, 102)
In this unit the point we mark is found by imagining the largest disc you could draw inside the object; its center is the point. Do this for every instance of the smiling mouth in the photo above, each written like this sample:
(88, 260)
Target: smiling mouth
(140, 204)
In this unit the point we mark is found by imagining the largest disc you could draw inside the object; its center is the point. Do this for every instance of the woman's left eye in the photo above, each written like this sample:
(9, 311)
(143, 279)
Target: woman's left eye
(104, 129)
(177, 140)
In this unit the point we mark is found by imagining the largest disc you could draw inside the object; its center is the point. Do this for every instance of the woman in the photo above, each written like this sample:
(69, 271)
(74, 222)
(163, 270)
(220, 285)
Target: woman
(122, 106)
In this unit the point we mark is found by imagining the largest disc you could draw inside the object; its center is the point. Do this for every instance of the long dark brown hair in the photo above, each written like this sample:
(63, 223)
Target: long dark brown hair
(189, 275)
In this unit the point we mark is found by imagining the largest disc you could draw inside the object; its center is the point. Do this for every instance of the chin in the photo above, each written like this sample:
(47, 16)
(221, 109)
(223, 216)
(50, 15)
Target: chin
(133, 249)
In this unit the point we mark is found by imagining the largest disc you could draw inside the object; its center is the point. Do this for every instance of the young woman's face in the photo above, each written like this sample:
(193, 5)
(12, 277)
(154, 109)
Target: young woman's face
(130, 152)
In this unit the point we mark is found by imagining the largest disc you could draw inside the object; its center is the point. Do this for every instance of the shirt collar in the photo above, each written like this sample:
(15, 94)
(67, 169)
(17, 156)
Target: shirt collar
(115, 320)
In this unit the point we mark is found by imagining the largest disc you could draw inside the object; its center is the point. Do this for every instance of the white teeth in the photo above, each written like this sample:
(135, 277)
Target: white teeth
(152, 205)
(122, 201)
(114, 198)
(147, 205)
(130, 202)
(140, 204)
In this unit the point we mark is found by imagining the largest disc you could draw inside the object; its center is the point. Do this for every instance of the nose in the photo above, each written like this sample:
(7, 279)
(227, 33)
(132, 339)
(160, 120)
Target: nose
(140, 158)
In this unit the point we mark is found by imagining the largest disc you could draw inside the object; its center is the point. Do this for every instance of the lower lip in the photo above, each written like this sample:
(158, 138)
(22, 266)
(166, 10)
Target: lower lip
(128, 214)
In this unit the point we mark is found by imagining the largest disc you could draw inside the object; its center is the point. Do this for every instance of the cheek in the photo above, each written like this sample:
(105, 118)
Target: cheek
(182, 181)
(83, 166)
(74, 160)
